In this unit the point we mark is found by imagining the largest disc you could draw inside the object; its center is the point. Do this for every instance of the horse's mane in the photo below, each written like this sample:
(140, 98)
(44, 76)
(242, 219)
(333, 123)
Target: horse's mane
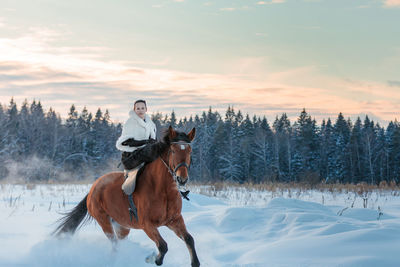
(165, 143)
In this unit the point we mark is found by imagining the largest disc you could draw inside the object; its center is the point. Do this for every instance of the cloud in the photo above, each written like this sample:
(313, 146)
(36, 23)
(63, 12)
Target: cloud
(394, 83)
(228, 9)
(391, 3)
(32, 67)
(270, 2)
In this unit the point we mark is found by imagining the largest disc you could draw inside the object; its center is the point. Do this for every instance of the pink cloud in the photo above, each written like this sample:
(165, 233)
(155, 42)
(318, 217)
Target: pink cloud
(33, 68)
(392, 3)
(270, 2)
(227, 9)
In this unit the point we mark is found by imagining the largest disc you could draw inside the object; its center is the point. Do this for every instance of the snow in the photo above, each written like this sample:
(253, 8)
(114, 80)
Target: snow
(293, 229)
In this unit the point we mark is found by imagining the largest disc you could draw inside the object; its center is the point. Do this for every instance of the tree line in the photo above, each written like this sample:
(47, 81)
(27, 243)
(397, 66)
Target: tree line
(233, 148)
(42, 146)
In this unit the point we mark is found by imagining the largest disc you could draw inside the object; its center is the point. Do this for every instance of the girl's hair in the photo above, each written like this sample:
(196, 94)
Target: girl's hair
(140, 101)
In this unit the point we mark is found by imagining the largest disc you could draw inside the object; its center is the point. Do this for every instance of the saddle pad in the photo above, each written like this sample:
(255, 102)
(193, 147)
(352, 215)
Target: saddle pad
(130, 183)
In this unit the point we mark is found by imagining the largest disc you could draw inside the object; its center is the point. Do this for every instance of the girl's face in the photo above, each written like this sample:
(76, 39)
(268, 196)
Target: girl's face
(140, 109)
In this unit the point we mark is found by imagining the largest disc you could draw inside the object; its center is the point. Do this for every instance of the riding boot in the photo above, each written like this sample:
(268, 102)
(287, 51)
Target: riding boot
(132, 209)
(129, 187)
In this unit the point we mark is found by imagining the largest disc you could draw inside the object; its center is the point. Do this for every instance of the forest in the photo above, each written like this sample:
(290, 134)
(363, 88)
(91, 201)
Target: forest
(40, 145)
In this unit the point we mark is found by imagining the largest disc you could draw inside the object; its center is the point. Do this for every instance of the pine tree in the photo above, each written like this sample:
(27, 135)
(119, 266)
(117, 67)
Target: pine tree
(262, 152)
(12, 121)
(341, 157)
(106, 118)
(356, 151)
(245, 135)
(37, 118)
(3, 143)
(52, 135)
(228, 161)
(306, 147)
(283, 148)
(24, 134)
(72, 141)
(328, 150)
(213, 121)
(180, 125)
(172, 119)
(198, 168)
(369, 144)
(380, 155)
(157, 119)
(393, 141)
(72, 117)
(98, 136)
(12, 128)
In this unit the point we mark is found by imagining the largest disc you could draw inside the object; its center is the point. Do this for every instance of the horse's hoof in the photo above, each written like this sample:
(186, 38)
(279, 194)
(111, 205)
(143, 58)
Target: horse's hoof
(159, 262)
(151, 258)
(196, 263)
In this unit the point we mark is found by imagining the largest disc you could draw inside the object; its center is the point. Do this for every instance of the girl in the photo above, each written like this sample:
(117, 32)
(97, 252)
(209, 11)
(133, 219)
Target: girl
(138, 145)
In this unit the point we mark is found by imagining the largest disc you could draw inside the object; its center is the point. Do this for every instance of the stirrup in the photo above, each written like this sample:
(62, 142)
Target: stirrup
(132, 209)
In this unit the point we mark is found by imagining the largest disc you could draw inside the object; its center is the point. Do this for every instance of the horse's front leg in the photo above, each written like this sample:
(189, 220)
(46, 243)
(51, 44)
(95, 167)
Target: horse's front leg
(179, 227)
(162, 246)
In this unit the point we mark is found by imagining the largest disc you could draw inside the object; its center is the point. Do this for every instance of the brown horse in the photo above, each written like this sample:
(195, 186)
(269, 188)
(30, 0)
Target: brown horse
(156, 196)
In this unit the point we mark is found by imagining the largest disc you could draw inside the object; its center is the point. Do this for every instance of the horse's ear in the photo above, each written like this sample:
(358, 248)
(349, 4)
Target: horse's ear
(192, 133)
(171, 133)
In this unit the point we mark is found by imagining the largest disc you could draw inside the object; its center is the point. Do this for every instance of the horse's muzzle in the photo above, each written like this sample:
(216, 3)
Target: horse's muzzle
(181, 181)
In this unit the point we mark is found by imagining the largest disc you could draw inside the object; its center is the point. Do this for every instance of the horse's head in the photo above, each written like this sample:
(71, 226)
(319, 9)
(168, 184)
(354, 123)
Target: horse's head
(179, 153)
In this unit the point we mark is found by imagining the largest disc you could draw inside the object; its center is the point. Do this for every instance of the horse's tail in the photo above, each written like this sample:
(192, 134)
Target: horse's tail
(71, 220)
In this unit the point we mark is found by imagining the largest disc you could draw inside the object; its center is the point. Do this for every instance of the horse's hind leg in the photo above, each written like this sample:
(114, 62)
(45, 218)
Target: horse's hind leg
(120, 231)
(178, 226)
(105, 223)
(162, 246)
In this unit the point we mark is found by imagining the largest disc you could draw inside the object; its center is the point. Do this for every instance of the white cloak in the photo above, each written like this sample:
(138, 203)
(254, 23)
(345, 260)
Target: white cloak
(136, 128)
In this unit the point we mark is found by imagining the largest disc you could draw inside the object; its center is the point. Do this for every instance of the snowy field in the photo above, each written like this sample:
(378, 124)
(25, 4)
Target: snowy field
(233, 228)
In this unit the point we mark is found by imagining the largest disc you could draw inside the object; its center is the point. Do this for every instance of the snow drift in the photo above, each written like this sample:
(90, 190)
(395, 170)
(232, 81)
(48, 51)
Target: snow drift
(282, 232)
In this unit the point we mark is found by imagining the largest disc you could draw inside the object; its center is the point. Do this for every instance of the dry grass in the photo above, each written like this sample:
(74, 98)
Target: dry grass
(361, 189)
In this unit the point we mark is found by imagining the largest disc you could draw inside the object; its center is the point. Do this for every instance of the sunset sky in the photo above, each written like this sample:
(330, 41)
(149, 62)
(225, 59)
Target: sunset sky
(262, 57)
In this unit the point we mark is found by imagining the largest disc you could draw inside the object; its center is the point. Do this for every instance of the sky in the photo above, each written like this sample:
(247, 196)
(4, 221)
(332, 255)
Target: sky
(261, 57)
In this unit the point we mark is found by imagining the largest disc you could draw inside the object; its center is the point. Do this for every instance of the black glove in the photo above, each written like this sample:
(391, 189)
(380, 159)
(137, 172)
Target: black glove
(152, 141)
(132, 142)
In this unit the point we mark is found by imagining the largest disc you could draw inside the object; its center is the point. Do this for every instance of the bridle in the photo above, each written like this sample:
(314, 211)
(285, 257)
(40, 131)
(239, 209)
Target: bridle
(184, 164)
